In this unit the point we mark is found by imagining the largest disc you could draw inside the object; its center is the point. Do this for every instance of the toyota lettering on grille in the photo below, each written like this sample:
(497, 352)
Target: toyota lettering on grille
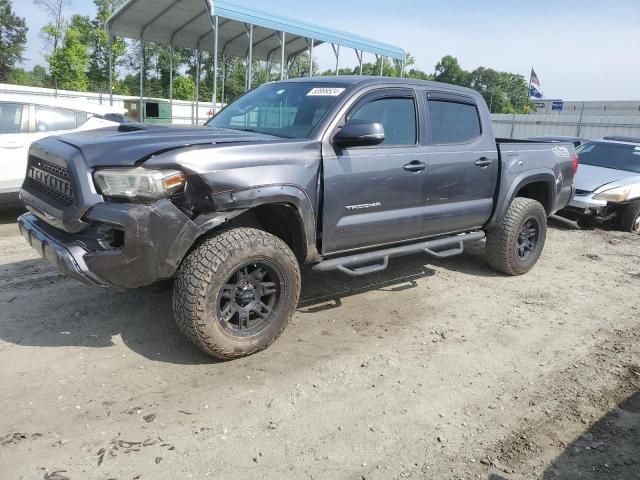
(51, 181)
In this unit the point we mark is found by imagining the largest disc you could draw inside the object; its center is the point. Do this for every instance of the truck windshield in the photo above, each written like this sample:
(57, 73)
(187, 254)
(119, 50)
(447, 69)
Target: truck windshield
(288, 110)
(610, 155)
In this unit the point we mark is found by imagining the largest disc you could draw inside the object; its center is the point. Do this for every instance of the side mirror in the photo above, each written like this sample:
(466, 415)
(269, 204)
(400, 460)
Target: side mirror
(359, 135)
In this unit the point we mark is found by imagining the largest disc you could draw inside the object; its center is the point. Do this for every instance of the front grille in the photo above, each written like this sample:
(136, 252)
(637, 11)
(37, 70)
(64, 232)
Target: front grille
(49, 181)
(582, 192)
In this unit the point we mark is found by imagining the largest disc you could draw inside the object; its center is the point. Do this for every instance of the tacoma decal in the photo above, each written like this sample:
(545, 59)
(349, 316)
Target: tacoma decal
(363, 206)
(562, 152)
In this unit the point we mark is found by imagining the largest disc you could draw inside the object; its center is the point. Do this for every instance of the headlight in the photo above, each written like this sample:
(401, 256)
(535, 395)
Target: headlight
(138, 183)
(619, 194)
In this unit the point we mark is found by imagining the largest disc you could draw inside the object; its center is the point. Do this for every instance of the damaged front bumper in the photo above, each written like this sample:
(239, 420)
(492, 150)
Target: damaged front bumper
(125, 245)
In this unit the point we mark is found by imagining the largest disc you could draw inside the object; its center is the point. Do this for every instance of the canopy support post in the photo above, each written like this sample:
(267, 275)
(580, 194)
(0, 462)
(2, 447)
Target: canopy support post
(197, 87)
(283, 43)
(360, 55)
(381, 65)
(250, 60)
(141, 103)
(224, 78)
(336, 51)
(171, 79)
(214, 100)
(311, 45)
(110, 70)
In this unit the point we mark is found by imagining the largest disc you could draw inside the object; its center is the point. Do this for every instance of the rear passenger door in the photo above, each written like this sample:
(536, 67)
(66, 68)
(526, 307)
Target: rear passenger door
(14, 145)
(375, 195)
(463, 164)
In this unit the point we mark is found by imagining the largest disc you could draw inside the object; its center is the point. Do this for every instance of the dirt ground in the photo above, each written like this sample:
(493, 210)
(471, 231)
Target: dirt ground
(432, 369)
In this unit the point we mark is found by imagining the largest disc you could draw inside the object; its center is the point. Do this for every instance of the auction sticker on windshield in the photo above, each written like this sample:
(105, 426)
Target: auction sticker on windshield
(325, 92)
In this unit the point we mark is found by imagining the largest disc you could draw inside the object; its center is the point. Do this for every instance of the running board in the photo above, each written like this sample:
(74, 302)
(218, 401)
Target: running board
(440, 248)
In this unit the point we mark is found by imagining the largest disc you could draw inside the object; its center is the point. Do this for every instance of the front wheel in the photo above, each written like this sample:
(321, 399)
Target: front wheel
(236, 292)
(515, 245)
(630, 218)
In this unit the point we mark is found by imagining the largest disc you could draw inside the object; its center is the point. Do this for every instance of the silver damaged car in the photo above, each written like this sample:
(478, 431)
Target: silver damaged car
(608, 183)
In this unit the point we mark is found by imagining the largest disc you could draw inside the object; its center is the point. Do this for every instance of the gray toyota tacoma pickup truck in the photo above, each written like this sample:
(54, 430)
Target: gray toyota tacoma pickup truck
(340, 173)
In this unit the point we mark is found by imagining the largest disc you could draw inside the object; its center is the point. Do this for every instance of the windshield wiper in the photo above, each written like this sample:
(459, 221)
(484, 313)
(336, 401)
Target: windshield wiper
(251, 130)
(247, 130)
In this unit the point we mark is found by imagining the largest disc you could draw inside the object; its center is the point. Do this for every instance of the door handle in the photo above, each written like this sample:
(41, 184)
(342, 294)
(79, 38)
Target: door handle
(11, 145)
(415, 166)
(483, 162)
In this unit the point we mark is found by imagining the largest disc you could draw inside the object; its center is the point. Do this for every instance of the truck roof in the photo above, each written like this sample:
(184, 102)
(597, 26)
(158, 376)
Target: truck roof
(357, 80)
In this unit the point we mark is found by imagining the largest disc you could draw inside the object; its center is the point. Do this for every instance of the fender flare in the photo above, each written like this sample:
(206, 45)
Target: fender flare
(231, 204)
(525, 178)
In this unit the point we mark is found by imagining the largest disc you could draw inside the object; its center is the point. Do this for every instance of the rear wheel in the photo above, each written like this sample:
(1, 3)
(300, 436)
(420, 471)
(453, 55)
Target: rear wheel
(515, 245)
(630, 218)
(235, 294)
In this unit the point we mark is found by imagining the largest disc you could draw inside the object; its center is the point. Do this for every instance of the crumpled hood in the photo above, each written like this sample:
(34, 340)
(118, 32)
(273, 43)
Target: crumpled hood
(589, 178)
(126, 145)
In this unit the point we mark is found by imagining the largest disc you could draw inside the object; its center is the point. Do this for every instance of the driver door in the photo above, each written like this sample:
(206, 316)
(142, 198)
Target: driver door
(376, 195)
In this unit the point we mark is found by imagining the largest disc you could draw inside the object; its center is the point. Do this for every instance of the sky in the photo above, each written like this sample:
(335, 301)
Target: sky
(580, 50)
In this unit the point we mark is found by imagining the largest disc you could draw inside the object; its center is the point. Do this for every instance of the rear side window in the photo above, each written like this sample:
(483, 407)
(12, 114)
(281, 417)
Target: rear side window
(10, 117)
(397, 116)
(50, 119)
(453, 122)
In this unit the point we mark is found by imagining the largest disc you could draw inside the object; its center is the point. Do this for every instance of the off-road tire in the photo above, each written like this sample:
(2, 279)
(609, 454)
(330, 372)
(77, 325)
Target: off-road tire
(203, 273)
(502, 240)
(629, 217)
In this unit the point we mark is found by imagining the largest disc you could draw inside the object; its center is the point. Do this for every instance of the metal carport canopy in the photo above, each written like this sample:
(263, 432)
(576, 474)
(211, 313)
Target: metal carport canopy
(189, 24)
(221, 27)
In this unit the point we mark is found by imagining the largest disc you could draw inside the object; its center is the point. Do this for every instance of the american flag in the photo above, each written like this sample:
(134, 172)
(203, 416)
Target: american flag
(534, 78)
(534, 86)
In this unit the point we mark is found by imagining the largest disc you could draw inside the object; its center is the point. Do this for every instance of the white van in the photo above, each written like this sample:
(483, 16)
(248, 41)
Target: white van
(27, 118)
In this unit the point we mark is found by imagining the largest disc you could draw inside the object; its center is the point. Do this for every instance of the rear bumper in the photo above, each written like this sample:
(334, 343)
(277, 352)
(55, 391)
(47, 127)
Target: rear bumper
(154, 240)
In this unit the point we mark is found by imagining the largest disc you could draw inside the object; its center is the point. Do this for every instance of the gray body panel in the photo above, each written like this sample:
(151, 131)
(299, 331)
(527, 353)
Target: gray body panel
(345, 199)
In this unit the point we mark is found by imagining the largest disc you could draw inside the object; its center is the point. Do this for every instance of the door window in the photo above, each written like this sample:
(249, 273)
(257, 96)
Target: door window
(453, 122)
(10, 117)
(50, 119)
(397, 116)
(81, 118)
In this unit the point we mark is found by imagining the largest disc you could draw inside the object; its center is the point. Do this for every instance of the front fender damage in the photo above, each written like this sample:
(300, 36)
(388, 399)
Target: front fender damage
(156, 239)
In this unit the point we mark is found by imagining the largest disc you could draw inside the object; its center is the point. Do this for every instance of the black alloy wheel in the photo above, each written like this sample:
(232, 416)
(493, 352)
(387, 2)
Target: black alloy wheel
(528, 238)
(249, 299)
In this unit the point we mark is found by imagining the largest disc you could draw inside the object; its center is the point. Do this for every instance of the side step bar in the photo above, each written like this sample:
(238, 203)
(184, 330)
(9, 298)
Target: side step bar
(439, 248)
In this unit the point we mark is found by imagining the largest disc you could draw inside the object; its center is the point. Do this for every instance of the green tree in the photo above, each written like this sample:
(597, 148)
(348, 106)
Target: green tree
(184, 88)
(53, 32)
(504, 92)
(70, 62)
(13, 37)
(448, 70)
(99, 47)
(38, 77)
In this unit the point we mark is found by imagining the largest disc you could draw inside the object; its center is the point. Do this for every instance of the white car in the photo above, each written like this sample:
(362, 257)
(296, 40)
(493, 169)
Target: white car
(27, 118)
